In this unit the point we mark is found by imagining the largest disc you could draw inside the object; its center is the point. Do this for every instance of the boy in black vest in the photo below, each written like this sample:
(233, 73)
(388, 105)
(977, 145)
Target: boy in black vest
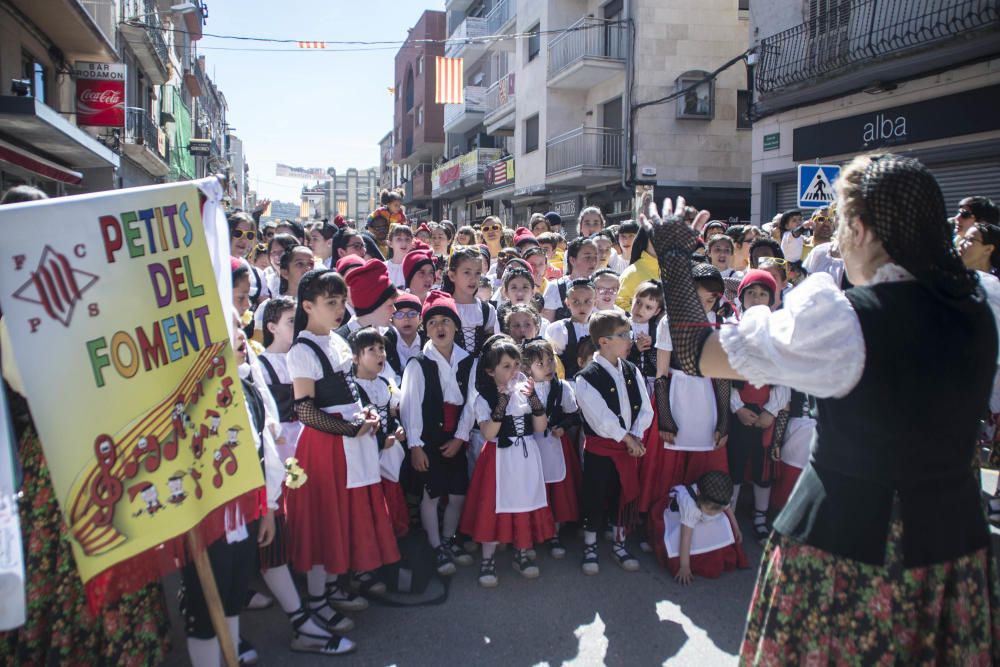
(616, 412)
(565, 335)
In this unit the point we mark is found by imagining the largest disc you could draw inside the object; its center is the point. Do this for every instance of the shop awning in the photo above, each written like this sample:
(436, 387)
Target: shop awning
(38, 165)
(36, 127)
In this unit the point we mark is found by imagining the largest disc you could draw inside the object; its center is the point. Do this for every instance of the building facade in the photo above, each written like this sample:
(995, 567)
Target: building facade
(836, 79)
(387, 179)
(548, 120)
(418, 124)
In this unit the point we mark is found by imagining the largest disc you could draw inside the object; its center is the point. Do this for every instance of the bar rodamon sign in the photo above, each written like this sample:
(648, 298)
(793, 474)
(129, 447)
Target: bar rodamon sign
(100, 94)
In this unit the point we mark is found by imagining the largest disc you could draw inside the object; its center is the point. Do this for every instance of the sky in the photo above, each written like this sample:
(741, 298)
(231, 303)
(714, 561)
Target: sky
(306, 108)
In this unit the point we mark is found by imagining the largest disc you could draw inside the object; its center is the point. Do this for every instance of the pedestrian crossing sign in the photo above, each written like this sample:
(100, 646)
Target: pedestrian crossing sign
(816, 184)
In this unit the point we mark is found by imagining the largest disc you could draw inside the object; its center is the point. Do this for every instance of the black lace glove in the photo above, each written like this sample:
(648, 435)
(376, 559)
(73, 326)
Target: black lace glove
(674, 241)
(780, 427)
(661, 393)
(501, 408)
(537, 409)
(722, 389)
(312, 416)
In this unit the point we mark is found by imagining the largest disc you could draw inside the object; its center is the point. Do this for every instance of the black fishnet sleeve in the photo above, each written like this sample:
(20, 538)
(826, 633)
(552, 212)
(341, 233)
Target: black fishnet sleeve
(780, 427)
(722, 389)
(664, 416)
(673, 241)
(312, 416)
(500, 410)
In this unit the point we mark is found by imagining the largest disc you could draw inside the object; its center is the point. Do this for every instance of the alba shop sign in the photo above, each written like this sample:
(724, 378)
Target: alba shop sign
(954, 115)
(100, 94)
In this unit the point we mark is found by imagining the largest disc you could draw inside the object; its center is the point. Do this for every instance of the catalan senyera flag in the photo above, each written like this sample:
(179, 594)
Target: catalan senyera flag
(450, 81)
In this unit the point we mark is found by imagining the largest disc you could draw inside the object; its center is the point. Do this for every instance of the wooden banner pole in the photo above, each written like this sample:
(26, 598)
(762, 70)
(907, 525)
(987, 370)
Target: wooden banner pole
(212, 600)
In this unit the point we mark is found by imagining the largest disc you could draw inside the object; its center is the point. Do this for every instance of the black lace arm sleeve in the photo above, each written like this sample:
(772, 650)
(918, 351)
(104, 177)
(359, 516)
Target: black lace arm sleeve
(673, 241)
(312, 416)
(780, 427)
(722, 389)
(664, 416)
(500, 410)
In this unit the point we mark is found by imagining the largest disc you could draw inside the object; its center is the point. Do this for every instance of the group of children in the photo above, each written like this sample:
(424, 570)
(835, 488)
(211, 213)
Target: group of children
(498, 391)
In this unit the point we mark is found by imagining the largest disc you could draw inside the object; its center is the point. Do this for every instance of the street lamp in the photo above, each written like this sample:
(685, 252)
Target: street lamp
(181, 9)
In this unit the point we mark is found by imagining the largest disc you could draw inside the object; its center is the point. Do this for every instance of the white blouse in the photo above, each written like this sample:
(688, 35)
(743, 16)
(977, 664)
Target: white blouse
(412, 391)
(813, 344)
(558, 336)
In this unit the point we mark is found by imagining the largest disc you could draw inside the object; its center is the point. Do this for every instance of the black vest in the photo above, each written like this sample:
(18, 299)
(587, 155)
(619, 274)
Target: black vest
(646, 361)
(513, 431)
(479, 334)
(562, 312)
(335, 387)
(255, 403)
(569, 357)
(601, 380)
(387, 423)
(392, 352)
(284, 395)
(433, 398)
(553, 404)
(908, 430)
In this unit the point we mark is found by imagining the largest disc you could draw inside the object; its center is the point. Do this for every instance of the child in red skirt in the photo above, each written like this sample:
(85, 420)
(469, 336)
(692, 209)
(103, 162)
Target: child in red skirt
(560, 458)
(381, 395)
(696, 530)
(337, 518)
(506, 499)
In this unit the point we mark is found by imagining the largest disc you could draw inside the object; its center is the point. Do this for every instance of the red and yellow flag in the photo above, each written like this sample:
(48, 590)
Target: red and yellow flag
(450, 81)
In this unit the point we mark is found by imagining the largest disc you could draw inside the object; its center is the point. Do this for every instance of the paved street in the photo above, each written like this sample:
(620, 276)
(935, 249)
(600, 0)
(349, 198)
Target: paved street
(562, 618)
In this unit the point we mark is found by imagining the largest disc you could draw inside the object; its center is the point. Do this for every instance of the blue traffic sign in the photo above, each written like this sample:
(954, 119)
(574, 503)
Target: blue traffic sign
(816, 184)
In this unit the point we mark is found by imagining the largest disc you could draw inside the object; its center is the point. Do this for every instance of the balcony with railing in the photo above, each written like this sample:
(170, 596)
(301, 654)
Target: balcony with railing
(144, 142)
(500, 105)
(501, 19)
(457, 45)
(463, 172)
(418, 186)
(459, 118)
(590, 52)
(859, 42)
(142, 29)
(578, 156)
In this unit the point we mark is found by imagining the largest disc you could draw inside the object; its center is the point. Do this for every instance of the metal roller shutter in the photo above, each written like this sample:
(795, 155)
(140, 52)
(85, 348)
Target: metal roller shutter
(965, 179)
(786, 196)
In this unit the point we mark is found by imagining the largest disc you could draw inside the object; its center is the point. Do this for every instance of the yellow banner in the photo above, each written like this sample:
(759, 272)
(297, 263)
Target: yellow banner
(120, 334)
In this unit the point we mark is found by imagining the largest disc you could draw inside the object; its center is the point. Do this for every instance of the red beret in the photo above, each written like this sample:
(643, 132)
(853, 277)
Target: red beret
(414, 261)
(440, 303)
(758, 277)
(348, 262)
(369, 286)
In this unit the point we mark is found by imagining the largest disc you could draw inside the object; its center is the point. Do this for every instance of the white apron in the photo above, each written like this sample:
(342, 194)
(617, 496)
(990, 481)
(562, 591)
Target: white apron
(361, 454)
(711, 534)
(290, 431)
(692, 404)
(553, 462)
(390, 461)
(798, 440)
(519, 479)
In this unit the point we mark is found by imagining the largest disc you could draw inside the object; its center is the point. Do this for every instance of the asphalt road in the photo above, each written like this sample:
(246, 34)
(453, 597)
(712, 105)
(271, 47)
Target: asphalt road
(562, 618)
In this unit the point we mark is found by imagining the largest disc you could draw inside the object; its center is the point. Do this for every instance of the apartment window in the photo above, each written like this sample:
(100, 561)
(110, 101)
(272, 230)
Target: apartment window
(420, 115)
(35, 73)
(699, 99)
(743, 121)
(744, 5)
(531, 134)
(534, 41)
(420, 65)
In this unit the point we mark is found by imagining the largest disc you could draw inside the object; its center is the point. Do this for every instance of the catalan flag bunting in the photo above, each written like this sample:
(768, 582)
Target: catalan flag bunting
(450, 84)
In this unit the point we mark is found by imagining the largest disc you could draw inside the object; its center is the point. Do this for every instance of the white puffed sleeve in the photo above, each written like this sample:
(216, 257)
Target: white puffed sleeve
(303, 363)
(814, 344)
(557, 336)
(687, 507)
(663, 340)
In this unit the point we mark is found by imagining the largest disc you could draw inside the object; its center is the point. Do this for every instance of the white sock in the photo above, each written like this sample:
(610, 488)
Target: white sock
(204, 652)
(452, 515)
(279, 580)
(619, 533)
(234, 632)
(761, 497)
(316, 582)
(489, 548)
(736, 495)
(429, 519)
(589, 537)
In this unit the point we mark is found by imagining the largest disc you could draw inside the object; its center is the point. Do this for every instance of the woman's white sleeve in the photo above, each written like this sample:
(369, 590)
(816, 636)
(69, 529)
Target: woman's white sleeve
(814, 344)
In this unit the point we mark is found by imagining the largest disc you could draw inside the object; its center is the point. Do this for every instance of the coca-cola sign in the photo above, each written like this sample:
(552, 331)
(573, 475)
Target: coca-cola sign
(100, 94)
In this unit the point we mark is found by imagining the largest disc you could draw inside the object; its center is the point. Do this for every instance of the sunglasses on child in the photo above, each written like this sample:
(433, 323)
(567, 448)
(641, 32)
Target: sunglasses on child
(239, 234)
(623, 335)
(405, 314)
(495, 227)
(964, 213)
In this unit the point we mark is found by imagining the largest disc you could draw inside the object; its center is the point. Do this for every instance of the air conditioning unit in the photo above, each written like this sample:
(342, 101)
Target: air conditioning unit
(648, 171)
